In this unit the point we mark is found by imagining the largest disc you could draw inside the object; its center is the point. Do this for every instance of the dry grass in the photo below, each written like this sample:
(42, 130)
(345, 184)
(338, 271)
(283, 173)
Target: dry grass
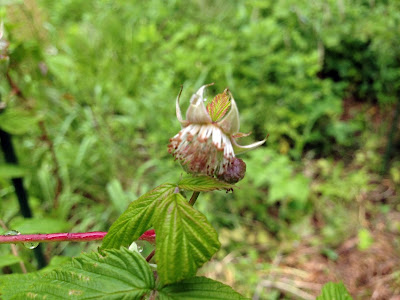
(369, 274)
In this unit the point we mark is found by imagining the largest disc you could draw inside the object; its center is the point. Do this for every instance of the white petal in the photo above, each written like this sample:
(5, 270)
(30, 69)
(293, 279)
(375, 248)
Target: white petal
(205, 132)
(242, 149)
(228, 149)
(178, 109)
(194, 128)
(197, 112)
(217, 137)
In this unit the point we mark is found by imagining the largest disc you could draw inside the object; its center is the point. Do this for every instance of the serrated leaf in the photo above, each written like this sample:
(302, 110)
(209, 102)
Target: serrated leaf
(185, 240)
(198, 288)
(136, 219)
(12, 285)
(8, 260)
(16, 121)
(334, 291)
(11, 171)
(203, 184)
(219, 106)
(119, 274)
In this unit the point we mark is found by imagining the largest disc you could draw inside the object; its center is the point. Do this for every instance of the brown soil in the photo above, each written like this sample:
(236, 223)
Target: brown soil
(370, 274)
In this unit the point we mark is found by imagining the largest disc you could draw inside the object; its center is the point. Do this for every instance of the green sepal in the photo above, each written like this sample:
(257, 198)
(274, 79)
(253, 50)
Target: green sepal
(203, 184)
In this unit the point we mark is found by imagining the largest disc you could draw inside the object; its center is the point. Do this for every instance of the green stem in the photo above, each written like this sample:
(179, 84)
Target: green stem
(194, 197)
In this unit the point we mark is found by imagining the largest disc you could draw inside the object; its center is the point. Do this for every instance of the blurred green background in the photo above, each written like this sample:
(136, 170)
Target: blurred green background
(89, 98)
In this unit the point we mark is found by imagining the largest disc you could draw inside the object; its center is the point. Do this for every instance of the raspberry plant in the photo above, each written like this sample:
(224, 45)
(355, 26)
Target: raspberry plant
(184, 240)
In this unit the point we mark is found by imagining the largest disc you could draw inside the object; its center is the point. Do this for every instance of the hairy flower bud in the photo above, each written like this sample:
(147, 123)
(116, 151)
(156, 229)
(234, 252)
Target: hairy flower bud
(207, 144)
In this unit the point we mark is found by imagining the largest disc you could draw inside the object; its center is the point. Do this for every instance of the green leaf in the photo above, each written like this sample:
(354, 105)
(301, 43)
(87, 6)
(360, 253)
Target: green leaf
(11, 2)
(119, 274)
(185, 240)
(117, 195)
(219, 106)
(39, 225)
(17, 286)
(136, 219)
(198, 288)
(56, 262)
(8, 260)
(203, 184)
(11, 171)
(334, 291)
(365, 239)
(17, 121)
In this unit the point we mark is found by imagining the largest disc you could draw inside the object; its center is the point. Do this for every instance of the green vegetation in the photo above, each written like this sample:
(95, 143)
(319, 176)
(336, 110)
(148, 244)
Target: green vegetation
(88, 96)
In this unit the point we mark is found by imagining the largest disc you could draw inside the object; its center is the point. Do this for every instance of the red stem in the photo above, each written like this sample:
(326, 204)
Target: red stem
(149, 236)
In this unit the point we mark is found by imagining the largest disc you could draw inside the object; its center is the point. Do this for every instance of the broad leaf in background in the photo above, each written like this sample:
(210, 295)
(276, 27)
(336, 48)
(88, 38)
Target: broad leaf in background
(203, 184)
(185, 240)
(8, 171)
(198, 288)
(119, 274)
(117, 195)
(17, 121)
(334, 291)
(8, 260)
(39, 225)
(136, 219)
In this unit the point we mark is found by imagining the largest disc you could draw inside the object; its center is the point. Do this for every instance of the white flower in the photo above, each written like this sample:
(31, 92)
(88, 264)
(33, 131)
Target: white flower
(207, 144)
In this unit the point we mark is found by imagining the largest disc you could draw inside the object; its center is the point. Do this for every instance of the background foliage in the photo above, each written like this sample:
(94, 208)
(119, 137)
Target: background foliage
(98, 80)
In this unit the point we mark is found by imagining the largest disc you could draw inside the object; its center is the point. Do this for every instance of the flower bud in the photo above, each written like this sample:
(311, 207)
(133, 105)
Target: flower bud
(207, 144)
